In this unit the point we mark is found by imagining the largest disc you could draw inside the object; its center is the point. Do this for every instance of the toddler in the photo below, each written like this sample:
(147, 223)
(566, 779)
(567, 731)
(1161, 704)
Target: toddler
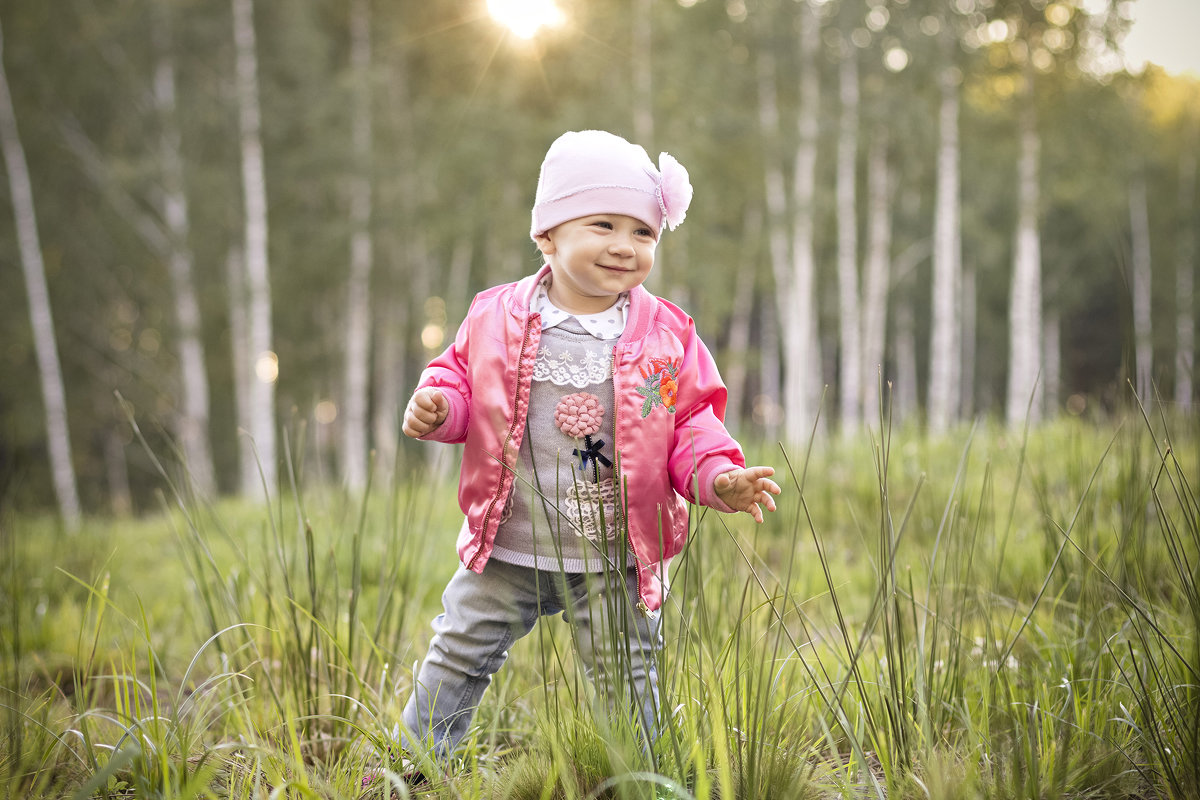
(591, 415)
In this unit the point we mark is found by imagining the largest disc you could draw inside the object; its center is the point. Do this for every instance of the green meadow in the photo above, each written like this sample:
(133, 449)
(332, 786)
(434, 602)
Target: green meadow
(994, 613)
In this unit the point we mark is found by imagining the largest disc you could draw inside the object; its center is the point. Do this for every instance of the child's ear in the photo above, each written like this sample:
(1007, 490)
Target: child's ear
(544, 243)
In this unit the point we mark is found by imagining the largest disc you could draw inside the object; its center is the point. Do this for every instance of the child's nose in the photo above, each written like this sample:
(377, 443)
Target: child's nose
(622, 245)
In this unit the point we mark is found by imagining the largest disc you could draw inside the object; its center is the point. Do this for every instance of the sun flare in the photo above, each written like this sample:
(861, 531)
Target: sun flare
(525, 17)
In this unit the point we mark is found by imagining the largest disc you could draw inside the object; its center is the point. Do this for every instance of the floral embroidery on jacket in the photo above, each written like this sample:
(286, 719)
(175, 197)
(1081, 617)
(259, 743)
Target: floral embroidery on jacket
(661, 387)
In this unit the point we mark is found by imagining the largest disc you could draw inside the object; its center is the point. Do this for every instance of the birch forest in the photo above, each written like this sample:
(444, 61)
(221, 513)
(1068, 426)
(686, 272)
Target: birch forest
(233, 231)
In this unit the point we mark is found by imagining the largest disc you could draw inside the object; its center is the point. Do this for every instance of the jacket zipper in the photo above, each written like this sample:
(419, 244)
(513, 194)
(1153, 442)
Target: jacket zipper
(637, 572)
(507, 439)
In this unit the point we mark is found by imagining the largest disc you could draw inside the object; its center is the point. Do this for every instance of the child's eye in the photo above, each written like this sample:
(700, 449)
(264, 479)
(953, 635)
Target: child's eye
(601, 223)
(645, 232)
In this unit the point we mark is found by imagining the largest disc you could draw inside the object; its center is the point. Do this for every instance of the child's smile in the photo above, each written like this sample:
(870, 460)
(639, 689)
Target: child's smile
(596, 258)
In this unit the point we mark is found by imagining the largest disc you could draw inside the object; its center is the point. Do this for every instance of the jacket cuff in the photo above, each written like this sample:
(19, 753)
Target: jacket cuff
(454, 427)
(707, 480)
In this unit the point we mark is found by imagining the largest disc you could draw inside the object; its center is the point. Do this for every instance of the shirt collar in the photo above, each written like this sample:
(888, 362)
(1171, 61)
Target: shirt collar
(606, 325)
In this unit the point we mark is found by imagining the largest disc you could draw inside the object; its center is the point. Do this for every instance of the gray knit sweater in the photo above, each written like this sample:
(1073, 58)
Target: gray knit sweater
(560, 513)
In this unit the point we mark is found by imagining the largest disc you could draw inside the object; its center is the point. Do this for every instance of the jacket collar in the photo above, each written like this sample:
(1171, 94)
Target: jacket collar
(642, 305)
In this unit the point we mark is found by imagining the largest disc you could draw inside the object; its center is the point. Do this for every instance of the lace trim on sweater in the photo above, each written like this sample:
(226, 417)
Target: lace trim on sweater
(563, 369)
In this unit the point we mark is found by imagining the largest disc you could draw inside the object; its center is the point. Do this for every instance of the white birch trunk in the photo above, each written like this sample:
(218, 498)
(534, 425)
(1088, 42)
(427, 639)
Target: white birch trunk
(797, 310)
(54, 395)
(905, 399)
(643, 85)
(243, 368)
(970, 305)
(389, 385)
(1185, 271)
(192, 422)
(358, 293)
(943, 396)
(1025, 298)
(1051, 382)
(261, 423)
(1139, 282)
(116, 470)
(766, 403)
(776, 193)
(736, 368)
(877, 263)
(850, 374)
(767, 407)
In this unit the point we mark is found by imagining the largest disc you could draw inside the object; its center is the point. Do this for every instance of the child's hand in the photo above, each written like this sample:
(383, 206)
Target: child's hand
(426, 411)
(748, 490)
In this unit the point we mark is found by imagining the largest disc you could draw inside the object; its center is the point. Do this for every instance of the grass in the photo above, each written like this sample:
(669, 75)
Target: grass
(990, 614)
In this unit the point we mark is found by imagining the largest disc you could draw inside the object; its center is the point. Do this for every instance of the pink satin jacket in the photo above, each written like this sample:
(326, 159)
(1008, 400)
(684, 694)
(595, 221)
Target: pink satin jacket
(667, 428)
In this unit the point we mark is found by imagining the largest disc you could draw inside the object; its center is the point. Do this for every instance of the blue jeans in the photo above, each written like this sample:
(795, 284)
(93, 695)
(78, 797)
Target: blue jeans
(485, 613)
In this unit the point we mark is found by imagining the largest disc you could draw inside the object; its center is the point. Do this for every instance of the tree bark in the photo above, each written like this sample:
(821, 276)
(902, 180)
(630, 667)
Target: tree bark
(54, 395)
(942, 401)
(261, 406)
(1185, 271)
(1025, 298)
(1051, 382)
(796, 296)
(775, 196)
(643, 85)
(357, 383)
(905, 398)
(850, 374)
(738, 346)
(243, 368)
(1139, 283)
(966, 357)
(192, 423)
(877, 272)
(768, 402)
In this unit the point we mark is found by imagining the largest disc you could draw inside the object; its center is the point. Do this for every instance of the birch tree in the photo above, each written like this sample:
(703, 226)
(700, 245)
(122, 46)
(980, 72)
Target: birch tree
(1025, 298)
(775, 195)
(968, 352)
(876, 269)
(944, 374)
(54, 398)
(1139, 285)
(850, 375)
(740, 316)
(263, 364)
(905, 401)
(795, 292)
(776, 224)
(192, 423)
(162, 223)
(1050, 383)
(643, 85)
(358, 304)
(1185, 270)
(243, 365)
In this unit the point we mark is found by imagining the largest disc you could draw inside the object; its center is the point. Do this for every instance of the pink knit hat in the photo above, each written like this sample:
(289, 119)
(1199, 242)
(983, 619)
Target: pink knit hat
(594, 172)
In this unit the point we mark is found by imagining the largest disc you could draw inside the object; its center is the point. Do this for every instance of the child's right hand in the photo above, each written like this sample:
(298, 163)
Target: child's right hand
(426, 411)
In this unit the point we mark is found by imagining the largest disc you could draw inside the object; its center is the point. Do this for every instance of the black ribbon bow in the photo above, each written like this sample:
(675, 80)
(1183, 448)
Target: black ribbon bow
(592, 451)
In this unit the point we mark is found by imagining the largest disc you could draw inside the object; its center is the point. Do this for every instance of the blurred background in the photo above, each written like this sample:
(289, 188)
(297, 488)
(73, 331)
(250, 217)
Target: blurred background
(245, 225)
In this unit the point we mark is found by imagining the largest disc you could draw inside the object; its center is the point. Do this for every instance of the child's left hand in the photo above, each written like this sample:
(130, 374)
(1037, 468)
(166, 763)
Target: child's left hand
(748, 490)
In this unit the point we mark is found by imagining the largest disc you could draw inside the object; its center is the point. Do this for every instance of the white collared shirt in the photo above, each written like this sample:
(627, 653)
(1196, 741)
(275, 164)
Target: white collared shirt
(606, 325)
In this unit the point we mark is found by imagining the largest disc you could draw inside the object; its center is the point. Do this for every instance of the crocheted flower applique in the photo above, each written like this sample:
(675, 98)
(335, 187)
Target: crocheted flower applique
(581, 416)
(661, 387)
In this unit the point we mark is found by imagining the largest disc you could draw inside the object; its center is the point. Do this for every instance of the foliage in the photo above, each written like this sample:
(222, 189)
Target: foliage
(462, 113)
(981, 615)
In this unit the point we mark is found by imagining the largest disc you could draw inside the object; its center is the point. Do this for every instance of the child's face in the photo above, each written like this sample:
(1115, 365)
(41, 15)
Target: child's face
(595, 258)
